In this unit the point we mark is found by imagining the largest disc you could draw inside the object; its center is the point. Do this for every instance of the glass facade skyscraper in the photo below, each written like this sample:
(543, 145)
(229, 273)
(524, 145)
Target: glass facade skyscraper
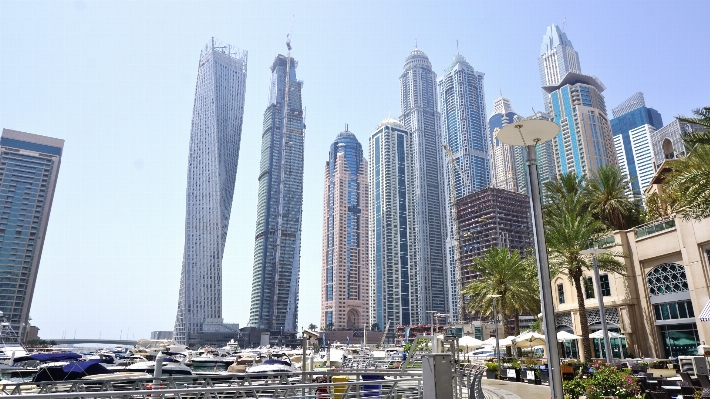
(277, 247)
(503, 156)
(345, 293)
(394, 272)
(420, 116)
(212, 169)
(464, 132)
(29, 166)
(557, 58)
(585, 141)
(632, 127)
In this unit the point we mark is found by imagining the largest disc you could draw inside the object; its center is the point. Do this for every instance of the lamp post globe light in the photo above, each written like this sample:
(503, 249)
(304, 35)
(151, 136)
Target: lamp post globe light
(530, 133)
(594, 252)
(495, 325)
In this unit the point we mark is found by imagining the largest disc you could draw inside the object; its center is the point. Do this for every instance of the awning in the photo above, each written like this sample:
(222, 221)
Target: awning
(705, 314)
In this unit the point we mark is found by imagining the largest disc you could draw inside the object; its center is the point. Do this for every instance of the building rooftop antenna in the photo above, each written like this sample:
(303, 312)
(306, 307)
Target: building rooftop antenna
(457, 47)
(563, 24)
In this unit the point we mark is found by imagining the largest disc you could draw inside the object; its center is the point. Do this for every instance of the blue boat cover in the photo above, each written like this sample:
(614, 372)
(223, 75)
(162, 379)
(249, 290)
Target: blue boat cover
(49, 357)
(89, 367)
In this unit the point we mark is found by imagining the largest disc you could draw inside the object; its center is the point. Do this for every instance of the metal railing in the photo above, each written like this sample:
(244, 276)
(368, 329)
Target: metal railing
(316, 385)
(470, 378)
(654, 227)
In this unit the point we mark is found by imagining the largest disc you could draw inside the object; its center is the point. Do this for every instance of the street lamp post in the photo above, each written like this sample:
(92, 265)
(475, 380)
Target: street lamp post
(529, 133)
(495, 324)
(594, 252)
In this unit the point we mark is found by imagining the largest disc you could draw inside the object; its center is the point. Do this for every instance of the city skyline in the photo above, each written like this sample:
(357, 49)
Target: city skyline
(135, 135)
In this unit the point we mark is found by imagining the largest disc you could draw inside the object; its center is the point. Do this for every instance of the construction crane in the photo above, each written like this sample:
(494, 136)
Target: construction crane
(387, 327)
(454, 223)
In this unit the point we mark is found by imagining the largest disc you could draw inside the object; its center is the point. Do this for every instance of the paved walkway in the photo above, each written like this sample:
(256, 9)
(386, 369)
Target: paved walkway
(496, 389)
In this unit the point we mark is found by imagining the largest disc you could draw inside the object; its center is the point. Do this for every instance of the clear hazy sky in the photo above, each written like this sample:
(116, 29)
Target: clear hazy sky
(116, 80)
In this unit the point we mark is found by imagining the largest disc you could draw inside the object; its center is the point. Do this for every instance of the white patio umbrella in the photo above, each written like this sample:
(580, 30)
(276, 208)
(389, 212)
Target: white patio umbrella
(489, 341)
(600, 334)
(470, 342)
(507, 341)
(529, 339)
(565, 336)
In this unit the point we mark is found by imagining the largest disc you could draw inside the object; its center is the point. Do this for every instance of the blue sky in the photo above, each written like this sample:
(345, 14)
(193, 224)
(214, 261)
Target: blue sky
(116, 80)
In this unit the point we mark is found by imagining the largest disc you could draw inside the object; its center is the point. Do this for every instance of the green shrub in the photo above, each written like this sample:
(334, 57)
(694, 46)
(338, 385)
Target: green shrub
(492, 366)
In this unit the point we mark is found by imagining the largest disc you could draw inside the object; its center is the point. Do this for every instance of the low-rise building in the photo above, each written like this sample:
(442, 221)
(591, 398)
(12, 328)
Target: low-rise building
(657, 305)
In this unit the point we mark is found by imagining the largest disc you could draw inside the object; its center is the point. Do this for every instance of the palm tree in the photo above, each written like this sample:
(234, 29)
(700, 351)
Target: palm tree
(502, 273)
(605, 192)
(702, 118)
(312, 327)
(690, 176)
(569, 229)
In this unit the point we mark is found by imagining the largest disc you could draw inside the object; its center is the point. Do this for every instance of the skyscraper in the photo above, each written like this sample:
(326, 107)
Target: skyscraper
(212, 169)
(277, 247)
(504, 156)
(585, 141)
(29, 166)
(421, 117)
(466, 164)
(345, 297)
(394, 272)
(574, 101)
(557, 58)
(632, 127)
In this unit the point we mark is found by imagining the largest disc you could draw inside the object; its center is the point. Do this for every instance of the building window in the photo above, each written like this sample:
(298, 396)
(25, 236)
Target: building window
(667, 278)
(673, 310)
(588, 288)
(605, 286)
(561, 293)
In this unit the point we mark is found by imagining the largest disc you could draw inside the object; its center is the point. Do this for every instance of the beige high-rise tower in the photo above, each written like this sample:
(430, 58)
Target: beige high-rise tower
(345, 276)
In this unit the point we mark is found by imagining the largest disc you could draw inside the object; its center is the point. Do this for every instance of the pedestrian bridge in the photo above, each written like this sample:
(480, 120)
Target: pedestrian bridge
(77, 341)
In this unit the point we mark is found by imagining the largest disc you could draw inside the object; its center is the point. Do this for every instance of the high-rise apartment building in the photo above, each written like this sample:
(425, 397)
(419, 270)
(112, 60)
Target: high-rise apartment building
(212, 169)
(632, 127)
(557, 58)
(277, 248)
(29, 166)
(492, 217)
(421, 117)
(585, 140)
(504, 157)
(394, 272)
(574, 101)
(466, 162)
(345, 293)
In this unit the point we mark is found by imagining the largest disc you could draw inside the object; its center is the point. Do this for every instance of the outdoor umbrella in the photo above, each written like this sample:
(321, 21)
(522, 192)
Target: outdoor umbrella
(565, 336)
(490, 341)
(529, 339)
(600, 334)
(471, 342)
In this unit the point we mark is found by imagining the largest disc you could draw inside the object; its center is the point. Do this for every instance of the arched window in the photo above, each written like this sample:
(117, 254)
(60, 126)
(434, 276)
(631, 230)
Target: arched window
(667, 278)
(668, 151)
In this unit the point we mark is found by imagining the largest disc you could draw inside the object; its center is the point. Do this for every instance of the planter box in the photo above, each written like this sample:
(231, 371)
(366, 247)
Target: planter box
(491, 374)
(512, 374)
(545, 377)
(532, 377)
(662, 372)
